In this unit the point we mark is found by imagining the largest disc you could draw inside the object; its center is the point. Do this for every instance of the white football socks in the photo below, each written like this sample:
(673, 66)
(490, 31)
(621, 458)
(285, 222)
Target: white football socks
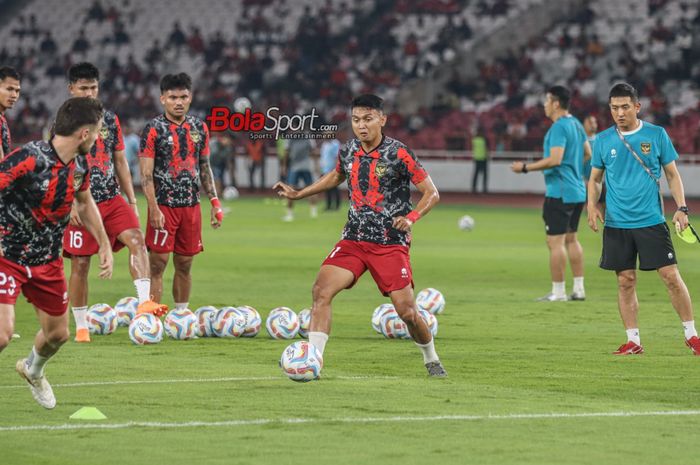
(318, 340)
(633, 335)
(35, 364)
(429, 354)
(559, 289)
(578, 285)
(689, 329)
(80, 316)
(143, 289)
(181, 305)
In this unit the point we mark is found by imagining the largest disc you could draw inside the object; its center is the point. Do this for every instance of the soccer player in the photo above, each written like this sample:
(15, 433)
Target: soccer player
(377, 236)
(565, 147)
(38, 183)
(9, 94)
(107, 163)
(174, 161)
(631, 154)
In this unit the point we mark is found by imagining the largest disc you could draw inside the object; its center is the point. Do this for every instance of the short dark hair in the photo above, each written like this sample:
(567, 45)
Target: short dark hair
(623, 89)
(8, 72)
(77, 112)
(561, 94)
(175, 81)
(83, 70)
(368, 101)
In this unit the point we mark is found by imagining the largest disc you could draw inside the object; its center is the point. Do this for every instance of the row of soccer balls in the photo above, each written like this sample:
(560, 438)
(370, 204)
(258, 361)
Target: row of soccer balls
(243, 321)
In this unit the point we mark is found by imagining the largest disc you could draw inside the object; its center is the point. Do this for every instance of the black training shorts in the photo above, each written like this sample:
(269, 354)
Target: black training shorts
(652, 244)
(559, 217)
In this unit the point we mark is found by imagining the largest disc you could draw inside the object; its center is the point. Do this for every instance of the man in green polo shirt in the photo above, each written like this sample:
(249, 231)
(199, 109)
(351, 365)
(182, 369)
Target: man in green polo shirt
(480, 156)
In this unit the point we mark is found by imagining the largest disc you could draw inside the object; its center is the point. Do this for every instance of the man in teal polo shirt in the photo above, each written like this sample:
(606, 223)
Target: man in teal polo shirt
(632, 154)
(565, 147)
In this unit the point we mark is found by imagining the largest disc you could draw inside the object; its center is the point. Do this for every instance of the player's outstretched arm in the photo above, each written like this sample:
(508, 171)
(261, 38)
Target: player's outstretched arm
(206, 177)
(90, 216)
(594, 189)
(155, 216)
(675, 184)
(121, 166)
(327, 181)
(429, 199)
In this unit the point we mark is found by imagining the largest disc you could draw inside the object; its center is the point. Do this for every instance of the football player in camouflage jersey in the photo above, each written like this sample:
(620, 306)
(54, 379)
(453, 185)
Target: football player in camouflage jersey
(174, 160)
(107, 163)
(379, 171)
(38, 184)
(9, 94)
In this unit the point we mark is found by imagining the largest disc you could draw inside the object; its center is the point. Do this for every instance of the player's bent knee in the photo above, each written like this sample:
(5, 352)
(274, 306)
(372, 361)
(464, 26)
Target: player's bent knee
(5, 338)
(322, 293)
(626, 281)
(58, 336)
(80, 265)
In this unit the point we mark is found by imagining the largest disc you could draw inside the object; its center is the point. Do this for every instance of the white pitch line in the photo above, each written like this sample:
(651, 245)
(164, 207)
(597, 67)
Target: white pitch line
(348, 420)
(192, 380)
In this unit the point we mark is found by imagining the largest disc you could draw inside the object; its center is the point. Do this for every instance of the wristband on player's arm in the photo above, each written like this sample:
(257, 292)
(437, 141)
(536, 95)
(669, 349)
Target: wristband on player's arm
(216, 204)
(413, 216)
(524, 167)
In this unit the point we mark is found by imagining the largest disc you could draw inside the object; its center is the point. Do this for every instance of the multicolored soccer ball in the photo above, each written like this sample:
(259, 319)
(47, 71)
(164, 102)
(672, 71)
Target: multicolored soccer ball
(466, 223)
(431, 300)
(301, 361)
(145, 329)
(219, 320)
(126, 310)
(101, 319)
(181, 324)
(232, 324)
(205, 318)
(430, 320)
(377, 316)
(392, 326)
(282, 323)
(253, 322)
(304, 322)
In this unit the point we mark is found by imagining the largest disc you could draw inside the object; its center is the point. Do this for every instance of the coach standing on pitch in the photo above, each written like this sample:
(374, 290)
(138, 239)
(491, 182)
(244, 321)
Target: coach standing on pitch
(565, 147)
(632, 154)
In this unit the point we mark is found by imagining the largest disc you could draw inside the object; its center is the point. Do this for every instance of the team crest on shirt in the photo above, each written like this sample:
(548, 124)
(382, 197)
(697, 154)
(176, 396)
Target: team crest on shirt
(646, 148)
(104, 132)
(77, 181)
(380, 170)
(196, 137)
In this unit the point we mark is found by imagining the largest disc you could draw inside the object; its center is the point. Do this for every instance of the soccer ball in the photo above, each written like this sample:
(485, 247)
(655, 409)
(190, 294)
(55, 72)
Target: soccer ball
(205, 319)
(392, 326)
(145, 329)
(230, 193)
(181, 324)
(241, 104)
(466, 223)
(282, 323)
(431, 300)
(430, 320)
(223, 324)
(304, 322)
(101, 319)
(377, 316)
(252, 320)
(301, 361)
(126, 310)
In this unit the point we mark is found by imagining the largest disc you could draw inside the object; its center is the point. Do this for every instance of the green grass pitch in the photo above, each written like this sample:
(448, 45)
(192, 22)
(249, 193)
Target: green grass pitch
(529, 383)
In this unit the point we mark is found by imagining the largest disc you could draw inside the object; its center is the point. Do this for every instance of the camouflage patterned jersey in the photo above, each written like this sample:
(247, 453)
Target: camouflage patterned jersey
(5, 137)
(36, 193)
(177, 150)
(379, 184)
(103, 183)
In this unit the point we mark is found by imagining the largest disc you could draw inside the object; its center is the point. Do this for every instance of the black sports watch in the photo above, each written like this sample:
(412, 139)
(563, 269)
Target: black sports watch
(683, 209)
(524, 167)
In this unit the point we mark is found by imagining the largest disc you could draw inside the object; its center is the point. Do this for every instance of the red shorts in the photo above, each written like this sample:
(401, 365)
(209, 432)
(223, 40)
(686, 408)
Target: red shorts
(182, 233)
(390, 265)
(44, 286)
(117, 217)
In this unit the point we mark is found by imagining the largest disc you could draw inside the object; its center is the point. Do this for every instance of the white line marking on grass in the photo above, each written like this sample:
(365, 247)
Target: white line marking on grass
(193, 380)
(396, 419)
